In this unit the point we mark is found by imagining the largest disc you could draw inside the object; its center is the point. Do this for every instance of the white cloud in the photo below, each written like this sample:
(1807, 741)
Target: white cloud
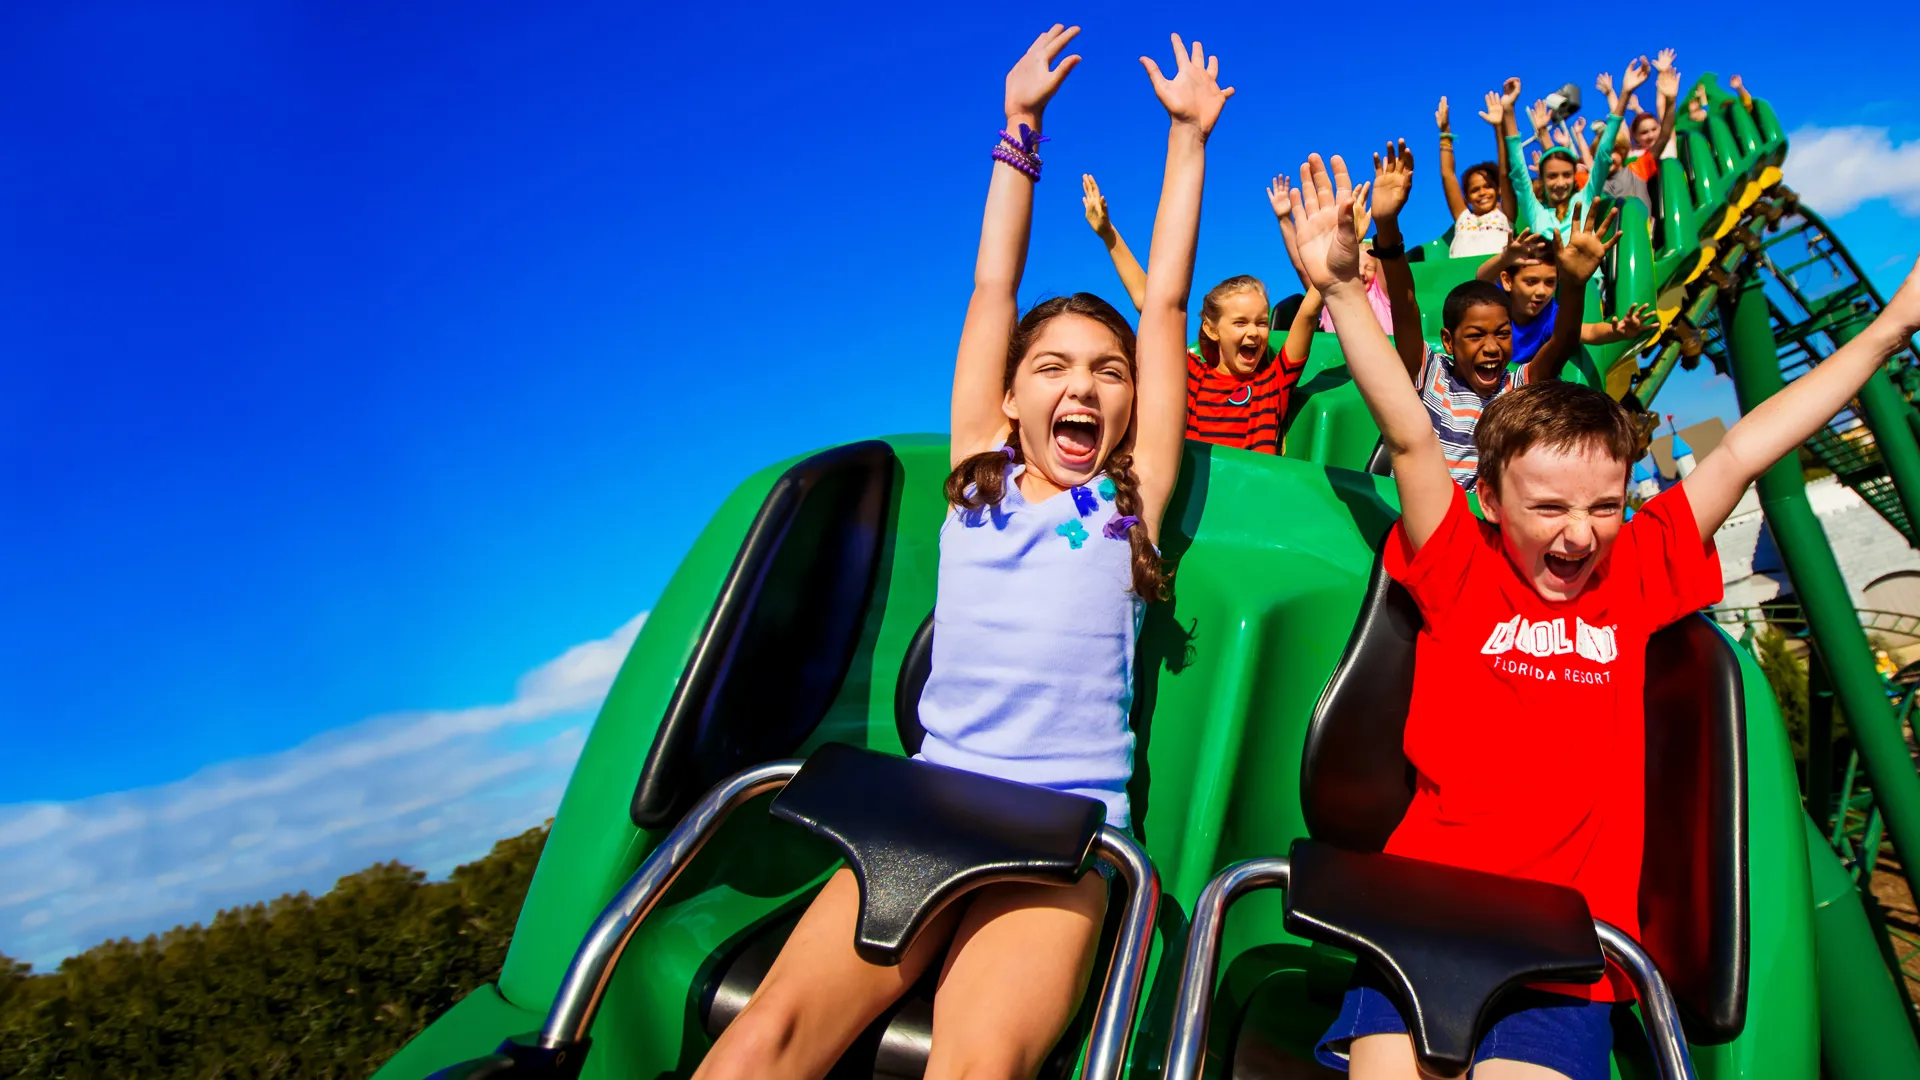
(432, 789)
(1837, 169)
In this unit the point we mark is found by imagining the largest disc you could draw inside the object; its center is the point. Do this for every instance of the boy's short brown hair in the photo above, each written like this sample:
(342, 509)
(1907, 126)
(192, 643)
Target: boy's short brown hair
(1555, 414)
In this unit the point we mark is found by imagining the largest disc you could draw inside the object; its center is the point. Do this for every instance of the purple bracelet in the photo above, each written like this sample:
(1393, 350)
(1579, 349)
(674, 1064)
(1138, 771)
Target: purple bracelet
(1029, 141)
(1019, 164)
(1021, 153)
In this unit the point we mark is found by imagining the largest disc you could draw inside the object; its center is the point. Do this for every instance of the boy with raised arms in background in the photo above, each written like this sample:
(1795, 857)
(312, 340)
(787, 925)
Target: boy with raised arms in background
(1539, 616)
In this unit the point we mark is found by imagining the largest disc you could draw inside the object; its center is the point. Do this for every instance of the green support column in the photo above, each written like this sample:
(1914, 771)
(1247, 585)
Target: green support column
(1887, 415)
(1822, 592)
(1864, 1030)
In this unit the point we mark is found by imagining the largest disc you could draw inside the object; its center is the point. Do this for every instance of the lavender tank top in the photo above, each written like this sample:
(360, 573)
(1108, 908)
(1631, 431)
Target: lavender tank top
(1033, 642)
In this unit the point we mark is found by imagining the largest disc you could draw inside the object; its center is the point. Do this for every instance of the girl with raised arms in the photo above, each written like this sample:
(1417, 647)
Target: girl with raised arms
(1066, 445)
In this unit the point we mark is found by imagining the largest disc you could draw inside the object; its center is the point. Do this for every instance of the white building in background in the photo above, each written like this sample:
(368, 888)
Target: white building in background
(1881, 570)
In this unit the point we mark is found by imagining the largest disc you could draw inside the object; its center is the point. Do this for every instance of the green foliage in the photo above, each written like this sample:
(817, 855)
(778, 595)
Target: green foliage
(299, 987)
(1787, 675)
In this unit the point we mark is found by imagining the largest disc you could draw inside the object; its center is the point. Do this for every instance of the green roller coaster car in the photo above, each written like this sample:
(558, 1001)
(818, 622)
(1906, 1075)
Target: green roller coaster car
(787, 628)
(1267, 768)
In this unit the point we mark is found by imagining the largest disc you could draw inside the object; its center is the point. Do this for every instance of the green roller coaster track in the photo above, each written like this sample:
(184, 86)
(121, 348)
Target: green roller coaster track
(1274, 558)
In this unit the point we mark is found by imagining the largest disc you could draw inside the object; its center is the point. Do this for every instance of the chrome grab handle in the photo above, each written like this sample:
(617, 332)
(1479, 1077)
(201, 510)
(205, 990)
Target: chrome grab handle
(586, 978)
(1120, 994)
(1192, 1010)
(1656, 1001)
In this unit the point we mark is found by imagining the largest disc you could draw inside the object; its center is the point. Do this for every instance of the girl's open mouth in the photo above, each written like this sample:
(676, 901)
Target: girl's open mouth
(1076, 436)
(1565, 571)
(1250, 351)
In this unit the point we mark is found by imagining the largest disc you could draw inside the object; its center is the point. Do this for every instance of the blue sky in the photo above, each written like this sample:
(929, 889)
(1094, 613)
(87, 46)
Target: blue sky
(363, 362)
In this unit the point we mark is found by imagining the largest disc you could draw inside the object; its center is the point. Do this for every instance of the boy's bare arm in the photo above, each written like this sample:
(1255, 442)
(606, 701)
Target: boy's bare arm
(1785, 420)
(1392, 183)
(1577, 260)
(1328, 250)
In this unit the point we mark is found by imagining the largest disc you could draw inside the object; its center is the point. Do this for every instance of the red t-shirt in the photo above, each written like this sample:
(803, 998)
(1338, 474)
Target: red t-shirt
(1527, 729)
(1229, 411)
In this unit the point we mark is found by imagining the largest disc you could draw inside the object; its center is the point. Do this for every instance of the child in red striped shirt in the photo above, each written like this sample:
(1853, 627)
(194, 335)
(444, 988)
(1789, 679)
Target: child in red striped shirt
(1241, 375)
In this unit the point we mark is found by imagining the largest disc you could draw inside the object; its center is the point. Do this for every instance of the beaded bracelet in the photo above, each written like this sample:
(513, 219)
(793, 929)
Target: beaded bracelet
(1021, 153)
(1021, 165)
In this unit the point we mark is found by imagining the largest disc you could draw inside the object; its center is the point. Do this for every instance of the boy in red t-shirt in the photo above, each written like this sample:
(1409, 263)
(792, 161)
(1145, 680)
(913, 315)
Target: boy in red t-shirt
(1526, 728)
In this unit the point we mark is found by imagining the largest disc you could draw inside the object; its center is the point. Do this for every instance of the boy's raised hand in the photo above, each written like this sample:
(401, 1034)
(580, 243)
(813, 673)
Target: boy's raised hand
(1325, 246)
(1586, 245)
(1193, 96)
(1440, 114)
(1095, 203)
(1392, 181)
(1733, 83)
(1635, 322)
(1540, 115)
(1033, 81)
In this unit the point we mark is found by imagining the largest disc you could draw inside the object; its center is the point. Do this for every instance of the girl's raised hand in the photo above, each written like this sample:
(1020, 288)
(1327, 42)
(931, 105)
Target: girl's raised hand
(1325, 247)
(1663, 61)
(1734, 83)
(1440, 114)
(1280, 195)
(1095, 203)
(1510, 92)
(1636, 76)
(1193, 96)
(1904, 308)
(1033, 81)
(1496, 111)
(1667, 83)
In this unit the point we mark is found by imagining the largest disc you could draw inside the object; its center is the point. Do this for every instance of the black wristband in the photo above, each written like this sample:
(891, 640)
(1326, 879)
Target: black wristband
(1397, 251)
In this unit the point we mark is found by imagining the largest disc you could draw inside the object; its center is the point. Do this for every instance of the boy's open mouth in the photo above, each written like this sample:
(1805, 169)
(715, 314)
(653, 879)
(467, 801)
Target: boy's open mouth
(1489, 371)
(1565, 571)
(1076, 436)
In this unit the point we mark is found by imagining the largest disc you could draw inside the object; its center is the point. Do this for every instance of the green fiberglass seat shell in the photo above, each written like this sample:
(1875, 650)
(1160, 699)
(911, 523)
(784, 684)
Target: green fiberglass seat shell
(1273, 560)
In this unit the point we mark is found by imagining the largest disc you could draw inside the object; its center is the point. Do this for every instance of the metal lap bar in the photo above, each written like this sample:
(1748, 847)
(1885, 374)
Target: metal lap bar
(1187, 1042)
(586, 979)
(1192, 1011)
(1656, 1001)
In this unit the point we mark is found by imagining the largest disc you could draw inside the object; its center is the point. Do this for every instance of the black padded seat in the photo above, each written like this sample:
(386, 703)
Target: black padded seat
(918, 835)
(1355, 781)
(1694, 918)
(915, 666)
(783, 631)
(1356, 785)
(1447, 940)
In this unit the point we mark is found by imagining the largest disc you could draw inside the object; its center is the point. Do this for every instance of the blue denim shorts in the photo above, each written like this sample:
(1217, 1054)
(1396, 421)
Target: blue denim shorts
(1572, 1036)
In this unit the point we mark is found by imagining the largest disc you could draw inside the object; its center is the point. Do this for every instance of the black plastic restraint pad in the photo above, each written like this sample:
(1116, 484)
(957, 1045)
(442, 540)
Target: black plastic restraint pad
(1450, 939)
(918, 835)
